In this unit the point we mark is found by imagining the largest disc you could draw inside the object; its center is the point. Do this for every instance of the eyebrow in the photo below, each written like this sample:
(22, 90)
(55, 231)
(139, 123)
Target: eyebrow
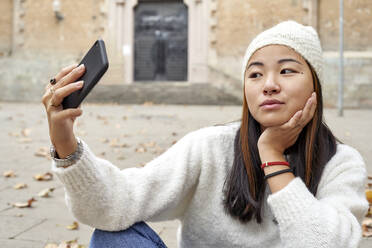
(279, 62)
(288, 60)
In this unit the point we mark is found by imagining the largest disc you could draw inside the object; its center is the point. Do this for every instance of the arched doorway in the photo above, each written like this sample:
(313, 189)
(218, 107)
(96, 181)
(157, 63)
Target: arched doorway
(121, 32)
(160, 40)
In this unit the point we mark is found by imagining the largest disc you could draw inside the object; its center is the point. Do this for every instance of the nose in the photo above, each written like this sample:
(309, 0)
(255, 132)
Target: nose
(271, 87)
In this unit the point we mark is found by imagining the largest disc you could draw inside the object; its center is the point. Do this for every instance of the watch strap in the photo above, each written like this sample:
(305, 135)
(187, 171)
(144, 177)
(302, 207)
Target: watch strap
(70, 159)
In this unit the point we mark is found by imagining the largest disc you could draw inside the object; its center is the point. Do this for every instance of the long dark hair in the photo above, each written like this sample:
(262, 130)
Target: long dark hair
(244, 186)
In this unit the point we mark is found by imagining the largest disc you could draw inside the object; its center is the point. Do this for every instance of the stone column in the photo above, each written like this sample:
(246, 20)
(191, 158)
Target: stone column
(198, 40)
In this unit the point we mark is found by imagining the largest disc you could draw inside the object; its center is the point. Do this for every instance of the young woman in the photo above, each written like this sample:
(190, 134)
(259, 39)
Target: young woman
(276, 178)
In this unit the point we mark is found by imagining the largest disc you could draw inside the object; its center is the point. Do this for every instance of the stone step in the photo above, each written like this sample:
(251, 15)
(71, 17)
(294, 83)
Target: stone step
(163, 93)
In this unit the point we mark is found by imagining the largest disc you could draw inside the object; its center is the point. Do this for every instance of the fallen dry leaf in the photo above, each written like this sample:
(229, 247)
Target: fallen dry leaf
(44, 177)
(174, 134)
(174, 142)
(74, 226)
(369, 195)
(149, 144)
(115, 143)
(120, 158)
(20, 186)
(51, 245)
(148, 103)
(45, 192)
(100, 117)
(140, 149)
(15, 134)
(125, 118)
(141, 165)
(65, 244)
(26, 132)
(147, 117)
(158, 150)
(24, 204)
(43, 152)
(9, 173)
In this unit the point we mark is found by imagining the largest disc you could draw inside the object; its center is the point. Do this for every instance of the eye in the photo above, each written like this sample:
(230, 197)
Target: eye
(255, 75)
(287, 71)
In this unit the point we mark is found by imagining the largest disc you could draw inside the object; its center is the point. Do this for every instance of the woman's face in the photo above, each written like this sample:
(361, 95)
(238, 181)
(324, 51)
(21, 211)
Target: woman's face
(278, 82)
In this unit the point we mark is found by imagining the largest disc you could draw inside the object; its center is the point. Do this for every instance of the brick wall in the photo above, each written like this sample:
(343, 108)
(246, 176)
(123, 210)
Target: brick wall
(43, 34)
(240, 21)
(6, 26)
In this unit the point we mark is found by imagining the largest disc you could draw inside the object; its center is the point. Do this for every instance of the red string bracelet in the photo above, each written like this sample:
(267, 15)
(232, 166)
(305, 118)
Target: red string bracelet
(274, 163)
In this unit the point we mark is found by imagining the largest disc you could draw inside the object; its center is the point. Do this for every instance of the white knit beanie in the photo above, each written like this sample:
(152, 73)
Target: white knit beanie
(303, 39)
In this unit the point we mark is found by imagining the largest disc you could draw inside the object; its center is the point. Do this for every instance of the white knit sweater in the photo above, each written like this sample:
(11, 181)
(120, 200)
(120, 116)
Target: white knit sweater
(185, 183)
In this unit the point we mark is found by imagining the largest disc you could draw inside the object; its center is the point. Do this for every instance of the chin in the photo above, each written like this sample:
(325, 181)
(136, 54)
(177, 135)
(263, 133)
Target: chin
(271, 122)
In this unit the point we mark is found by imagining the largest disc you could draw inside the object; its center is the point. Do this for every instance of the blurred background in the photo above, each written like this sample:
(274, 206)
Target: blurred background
(173, 51)
(175, 67)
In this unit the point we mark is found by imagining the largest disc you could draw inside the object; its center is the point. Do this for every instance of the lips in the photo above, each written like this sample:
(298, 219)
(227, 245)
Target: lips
(270, 102)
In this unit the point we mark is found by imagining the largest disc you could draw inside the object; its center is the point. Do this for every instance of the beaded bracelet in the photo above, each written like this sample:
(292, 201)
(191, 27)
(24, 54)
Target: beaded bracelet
(277, 173)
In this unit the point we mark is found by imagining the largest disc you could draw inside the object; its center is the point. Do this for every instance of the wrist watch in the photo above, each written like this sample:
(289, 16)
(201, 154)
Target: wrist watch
(70, 159)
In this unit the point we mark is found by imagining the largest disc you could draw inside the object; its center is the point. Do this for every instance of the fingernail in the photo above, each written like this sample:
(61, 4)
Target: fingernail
(80, 83)
(314, 94)
(81, 67)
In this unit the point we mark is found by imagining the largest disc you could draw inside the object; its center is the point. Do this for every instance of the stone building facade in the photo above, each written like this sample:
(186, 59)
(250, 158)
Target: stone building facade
(176, 42)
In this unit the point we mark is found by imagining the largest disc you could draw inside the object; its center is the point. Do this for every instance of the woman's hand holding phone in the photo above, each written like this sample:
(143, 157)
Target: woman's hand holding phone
(61, 121)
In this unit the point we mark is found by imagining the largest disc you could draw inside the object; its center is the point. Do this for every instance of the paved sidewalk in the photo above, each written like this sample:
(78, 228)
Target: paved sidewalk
(147, 130)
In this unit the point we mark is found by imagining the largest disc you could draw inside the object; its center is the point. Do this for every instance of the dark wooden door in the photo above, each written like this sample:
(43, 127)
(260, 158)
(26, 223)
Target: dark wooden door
(160, 46)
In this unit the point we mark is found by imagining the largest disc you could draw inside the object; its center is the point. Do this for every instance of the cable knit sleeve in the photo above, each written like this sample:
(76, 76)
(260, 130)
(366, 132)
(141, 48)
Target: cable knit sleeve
(101, 195)
(331, 219)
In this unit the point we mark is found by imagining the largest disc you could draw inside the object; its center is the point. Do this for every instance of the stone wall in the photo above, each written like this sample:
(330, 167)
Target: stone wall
(35, 44)
(6, 27)
(357, 25)
(238, 22)
(43, 34)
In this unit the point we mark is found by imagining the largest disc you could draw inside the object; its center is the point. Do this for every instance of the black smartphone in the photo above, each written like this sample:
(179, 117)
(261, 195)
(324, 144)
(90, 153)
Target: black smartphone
(96, 64)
